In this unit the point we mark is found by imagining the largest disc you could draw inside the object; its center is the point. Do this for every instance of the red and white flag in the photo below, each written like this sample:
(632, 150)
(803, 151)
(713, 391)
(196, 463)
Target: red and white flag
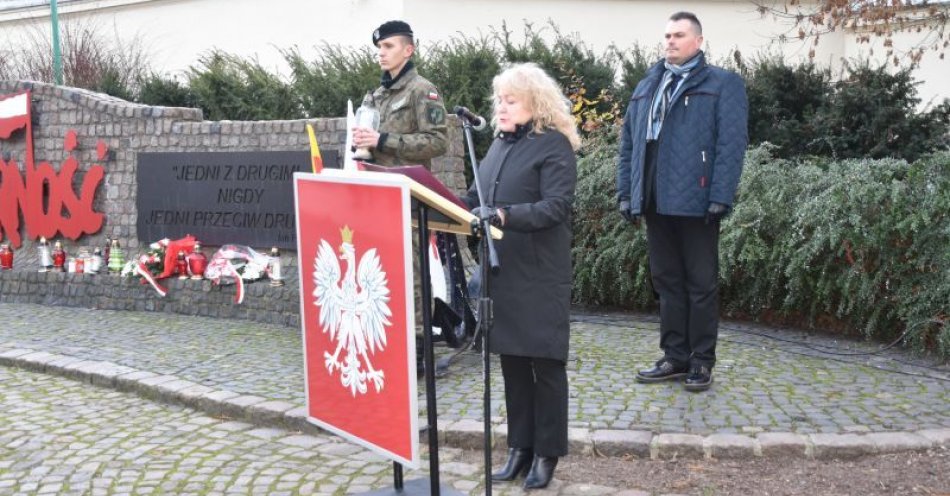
(14, 113)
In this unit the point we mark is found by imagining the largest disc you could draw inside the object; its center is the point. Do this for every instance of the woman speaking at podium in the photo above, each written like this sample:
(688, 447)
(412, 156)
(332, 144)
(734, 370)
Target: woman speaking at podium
(528, 176)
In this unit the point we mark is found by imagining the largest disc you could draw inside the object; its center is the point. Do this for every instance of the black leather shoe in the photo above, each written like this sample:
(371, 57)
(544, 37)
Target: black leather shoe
(664, 370)
(699, 378)
(519, 460)
(541, 473)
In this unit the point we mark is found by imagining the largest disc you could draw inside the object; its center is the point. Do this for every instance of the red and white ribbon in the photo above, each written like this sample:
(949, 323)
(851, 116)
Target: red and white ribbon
(222, 267)
(239, 282)
(141, 270)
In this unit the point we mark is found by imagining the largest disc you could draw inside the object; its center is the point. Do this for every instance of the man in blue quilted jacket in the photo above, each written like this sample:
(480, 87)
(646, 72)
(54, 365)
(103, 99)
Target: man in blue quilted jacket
(683, 142)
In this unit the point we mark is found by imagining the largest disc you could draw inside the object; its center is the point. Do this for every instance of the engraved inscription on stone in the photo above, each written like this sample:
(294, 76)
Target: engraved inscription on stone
(220, 197)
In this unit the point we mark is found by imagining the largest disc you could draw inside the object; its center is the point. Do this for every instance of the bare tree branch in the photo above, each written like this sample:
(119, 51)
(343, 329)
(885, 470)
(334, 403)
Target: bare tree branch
(867, 20)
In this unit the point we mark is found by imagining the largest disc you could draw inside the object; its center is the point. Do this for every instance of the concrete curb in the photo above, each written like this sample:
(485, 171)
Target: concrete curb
(467, 433)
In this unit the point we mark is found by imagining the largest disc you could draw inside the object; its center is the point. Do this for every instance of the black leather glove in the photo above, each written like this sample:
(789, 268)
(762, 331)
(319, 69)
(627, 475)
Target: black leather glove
(628, 214)
(490, 213)
(716, 212)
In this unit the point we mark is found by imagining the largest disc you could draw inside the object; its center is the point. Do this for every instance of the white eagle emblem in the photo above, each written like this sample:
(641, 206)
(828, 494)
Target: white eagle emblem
(354, 310)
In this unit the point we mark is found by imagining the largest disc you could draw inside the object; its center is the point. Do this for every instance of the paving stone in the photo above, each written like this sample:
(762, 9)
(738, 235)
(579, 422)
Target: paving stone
(36, 360)
(939, 437)
(467, 486)
(670, 446)
(465, 433)
(131, 380)
(302, 441)
(103, 373)
(579, 441)
(233, 426)
(156, 380)
(729, 446)
(268, 412)
(782, 444)
(622, 442)
(839, 445)
(267, 433)
(193, 394)
(457, 468)
(889, 442)
(584, 489)
(62, 363)
(244, 401)
(170, 389)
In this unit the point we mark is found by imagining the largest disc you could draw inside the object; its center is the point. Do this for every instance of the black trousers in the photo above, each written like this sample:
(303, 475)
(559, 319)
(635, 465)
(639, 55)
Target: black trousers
(536, 399)
(684, 266)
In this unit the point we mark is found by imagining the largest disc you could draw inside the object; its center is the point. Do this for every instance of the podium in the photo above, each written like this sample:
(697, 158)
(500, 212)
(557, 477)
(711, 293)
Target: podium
(357, 317)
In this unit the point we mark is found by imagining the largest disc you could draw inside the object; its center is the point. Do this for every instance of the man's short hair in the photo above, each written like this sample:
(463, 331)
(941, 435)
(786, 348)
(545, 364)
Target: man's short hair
(691, 17)
(406, 39)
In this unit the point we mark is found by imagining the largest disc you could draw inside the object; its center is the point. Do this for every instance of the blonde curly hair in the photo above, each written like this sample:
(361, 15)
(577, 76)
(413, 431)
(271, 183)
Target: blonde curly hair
(541, 95)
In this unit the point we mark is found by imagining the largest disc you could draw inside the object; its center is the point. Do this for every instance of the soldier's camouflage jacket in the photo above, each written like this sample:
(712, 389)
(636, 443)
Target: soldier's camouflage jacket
(412, 121)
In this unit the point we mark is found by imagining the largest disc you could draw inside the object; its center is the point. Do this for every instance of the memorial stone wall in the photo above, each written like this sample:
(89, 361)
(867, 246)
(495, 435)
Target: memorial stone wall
(111, 132)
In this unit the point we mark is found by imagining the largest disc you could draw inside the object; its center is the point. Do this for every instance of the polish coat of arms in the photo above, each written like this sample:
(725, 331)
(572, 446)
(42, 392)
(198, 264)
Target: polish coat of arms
(354, 311)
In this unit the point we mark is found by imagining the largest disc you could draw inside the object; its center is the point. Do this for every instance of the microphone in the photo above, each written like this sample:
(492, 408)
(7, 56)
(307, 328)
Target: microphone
(477, 122)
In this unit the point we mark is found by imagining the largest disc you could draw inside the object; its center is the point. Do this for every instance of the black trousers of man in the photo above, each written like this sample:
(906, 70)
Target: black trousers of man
(536, 400)
(684, 267)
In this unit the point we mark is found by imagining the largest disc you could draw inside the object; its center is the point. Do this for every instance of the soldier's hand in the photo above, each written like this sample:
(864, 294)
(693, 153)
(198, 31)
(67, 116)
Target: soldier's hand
(628, 214)
(365, 137)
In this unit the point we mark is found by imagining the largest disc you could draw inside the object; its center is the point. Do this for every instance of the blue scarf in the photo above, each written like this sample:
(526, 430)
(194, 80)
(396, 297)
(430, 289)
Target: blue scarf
(667, 93)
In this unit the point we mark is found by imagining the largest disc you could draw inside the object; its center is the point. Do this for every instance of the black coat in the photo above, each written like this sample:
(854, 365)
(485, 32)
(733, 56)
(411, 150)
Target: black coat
(533, 176)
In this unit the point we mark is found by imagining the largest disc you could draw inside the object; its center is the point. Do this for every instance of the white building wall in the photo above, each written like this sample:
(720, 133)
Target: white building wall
(933, 74)
(727, 24)
(177, 32)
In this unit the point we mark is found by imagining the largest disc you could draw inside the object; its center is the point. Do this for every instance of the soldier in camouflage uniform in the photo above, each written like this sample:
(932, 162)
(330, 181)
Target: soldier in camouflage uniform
(412, 127)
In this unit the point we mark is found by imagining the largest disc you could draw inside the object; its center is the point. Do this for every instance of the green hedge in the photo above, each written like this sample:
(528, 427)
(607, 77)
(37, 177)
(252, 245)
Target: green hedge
(863, 244)
(805, 110)
(228, 87)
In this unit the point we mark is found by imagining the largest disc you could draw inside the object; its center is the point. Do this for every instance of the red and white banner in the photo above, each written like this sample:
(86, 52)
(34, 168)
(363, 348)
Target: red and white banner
(354, 257)
(14, 113)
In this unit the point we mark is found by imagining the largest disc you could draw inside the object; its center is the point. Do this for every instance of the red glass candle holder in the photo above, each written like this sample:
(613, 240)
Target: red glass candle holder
(197, 263)
(181, 265)
(59, 257)
(6, 257)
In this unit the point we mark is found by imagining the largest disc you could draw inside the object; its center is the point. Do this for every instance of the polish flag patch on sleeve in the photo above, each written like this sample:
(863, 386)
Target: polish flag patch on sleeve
(432, 95)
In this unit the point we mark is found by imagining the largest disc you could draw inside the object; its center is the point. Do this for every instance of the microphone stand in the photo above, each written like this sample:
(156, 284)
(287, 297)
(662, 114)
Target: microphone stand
(488, 264)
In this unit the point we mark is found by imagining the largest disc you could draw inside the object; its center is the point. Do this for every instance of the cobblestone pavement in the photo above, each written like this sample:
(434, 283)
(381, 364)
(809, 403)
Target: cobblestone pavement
(766, 381)
(63, 437)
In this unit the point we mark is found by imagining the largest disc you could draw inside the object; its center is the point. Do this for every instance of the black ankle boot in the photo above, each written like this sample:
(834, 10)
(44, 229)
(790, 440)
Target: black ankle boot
(519, 459)
(542, 470)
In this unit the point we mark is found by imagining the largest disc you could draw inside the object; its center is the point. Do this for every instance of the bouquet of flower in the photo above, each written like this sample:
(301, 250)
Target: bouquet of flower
(236, 264)
(159, 261)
